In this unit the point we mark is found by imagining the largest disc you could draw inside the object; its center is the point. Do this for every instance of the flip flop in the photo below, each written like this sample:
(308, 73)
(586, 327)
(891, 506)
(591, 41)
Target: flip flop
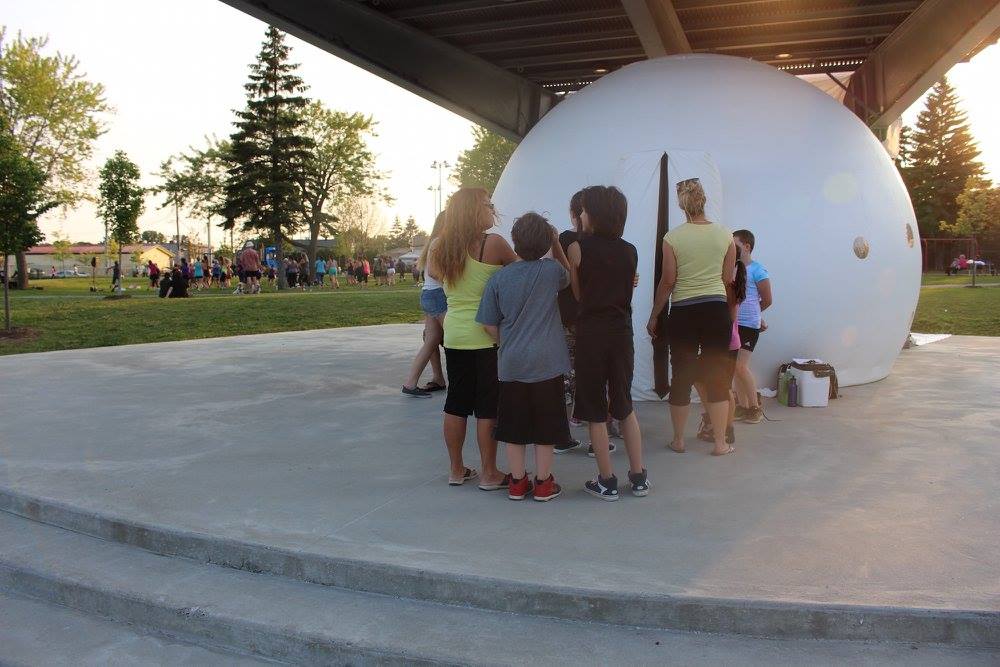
(469, 475)
(728, 451)
(434, 386)
(503, 484)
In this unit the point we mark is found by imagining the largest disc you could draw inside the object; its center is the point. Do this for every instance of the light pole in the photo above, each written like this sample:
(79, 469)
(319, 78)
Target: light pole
(434, 200)
(440, 165)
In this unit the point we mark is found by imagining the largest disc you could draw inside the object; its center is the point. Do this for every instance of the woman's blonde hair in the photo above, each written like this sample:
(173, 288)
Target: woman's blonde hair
(469, 213)
(435, 232)
(691, 197)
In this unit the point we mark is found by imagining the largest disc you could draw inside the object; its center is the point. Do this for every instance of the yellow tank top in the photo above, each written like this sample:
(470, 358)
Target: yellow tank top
(461, 331)
(700, 251)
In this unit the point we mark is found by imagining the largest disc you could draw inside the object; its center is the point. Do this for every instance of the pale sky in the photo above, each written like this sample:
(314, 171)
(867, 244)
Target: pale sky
(174, 72)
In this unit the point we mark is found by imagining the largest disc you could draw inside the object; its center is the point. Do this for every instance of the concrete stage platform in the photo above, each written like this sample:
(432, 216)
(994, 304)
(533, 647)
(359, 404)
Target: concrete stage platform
(294, 454)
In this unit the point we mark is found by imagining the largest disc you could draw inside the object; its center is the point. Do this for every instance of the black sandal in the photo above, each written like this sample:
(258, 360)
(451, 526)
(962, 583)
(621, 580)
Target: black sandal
(433, 386)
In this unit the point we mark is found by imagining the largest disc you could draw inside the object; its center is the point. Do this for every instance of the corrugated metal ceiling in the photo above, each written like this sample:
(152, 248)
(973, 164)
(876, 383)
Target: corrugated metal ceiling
(565, 44)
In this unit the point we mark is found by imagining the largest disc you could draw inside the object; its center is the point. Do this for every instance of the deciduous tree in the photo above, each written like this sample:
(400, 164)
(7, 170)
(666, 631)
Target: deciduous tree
(978, 214)
(340, 166)
(121, 200)
(152, 236)
(22, 201)
(54, 114)
(482, 165)
(61, 249)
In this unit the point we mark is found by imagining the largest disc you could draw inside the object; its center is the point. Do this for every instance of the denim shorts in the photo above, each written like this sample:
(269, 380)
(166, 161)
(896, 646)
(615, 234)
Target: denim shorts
(433, 302)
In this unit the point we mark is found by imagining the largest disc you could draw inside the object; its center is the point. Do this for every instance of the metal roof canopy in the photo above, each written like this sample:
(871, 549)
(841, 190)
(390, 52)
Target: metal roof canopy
(505, 63)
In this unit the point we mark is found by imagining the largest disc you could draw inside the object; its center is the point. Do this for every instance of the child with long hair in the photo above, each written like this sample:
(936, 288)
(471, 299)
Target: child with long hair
(462, 258)
(434, 303)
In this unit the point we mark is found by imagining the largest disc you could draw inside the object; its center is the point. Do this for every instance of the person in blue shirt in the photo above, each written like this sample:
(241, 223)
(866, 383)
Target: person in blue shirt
(320, 271)
(751, 324)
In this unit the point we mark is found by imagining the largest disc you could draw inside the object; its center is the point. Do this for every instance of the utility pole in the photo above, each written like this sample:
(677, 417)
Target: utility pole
(440, 165)
(177, 218)
(434, 202)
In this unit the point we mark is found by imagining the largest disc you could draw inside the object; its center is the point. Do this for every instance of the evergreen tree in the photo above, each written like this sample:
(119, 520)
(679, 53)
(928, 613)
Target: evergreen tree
(269, 148)
(410, 230)
(941, 156)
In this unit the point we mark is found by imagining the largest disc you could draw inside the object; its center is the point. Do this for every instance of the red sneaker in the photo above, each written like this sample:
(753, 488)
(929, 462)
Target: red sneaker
(519, 489)
(547, 490)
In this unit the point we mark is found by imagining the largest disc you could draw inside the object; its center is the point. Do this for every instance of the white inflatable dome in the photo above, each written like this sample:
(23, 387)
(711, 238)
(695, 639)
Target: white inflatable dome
(833, 221)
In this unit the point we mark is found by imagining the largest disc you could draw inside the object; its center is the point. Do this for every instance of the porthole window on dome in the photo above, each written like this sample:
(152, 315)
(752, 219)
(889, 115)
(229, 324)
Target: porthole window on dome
(861, 247)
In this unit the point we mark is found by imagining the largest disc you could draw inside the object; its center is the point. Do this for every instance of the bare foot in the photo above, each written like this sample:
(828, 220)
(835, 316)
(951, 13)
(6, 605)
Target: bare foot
(677, 447)
(723, 453)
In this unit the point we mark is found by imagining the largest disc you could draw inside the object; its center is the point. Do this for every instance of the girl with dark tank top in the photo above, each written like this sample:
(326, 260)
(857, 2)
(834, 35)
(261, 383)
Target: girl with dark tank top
(603, 277)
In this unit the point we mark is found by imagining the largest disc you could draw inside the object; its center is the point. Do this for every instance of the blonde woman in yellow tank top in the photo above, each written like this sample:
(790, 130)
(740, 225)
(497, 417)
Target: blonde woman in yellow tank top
(699, 258)
(462, 258)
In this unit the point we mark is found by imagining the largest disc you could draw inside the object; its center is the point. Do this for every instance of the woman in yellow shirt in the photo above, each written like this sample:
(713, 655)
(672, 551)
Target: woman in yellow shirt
(462, 258)
(699, 258)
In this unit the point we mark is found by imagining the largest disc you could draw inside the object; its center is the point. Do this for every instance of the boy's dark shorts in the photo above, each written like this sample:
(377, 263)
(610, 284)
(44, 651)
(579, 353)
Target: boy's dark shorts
(533, 413)
(604, 366)
(748, 338)
(473, 387)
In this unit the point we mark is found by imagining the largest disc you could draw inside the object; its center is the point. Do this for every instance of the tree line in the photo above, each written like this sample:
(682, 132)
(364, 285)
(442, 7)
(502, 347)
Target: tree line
(939, 163)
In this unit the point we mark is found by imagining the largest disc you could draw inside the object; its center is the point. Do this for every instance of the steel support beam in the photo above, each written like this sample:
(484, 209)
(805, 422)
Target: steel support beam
(429, 67)
(939, 34)
(757, 40)
(659, 30)
(792, 18)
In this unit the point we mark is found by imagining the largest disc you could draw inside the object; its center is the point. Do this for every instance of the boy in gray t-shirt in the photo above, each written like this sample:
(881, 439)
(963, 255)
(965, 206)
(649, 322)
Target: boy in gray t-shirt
(520, 310)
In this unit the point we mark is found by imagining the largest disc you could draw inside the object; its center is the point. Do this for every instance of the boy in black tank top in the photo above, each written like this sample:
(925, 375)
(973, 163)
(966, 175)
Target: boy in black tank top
(603, 277)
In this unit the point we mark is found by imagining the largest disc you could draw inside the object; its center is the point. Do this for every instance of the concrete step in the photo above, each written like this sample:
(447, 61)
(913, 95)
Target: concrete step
(39, 633)
(293, 621)
(793, 620)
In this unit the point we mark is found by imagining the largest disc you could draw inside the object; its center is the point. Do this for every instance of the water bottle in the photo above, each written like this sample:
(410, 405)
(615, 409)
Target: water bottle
(793, 393)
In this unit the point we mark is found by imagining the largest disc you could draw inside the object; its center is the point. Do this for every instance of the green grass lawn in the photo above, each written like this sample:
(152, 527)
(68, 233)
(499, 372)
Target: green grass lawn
(964, 279)
(75, 320)
(963, 311)
(66, 315)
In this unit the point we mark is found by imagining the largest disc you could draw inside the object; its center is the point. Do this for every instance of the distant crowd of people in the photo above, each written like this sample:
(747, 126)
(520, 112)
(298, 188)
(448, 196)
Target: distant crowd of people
(530, 330)
(247, 272)
(386, 272)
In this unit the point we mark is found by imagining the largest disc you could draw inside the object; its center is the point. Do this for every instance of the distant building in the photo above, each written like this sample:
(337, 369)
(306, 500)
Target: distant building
(41, 258)
(188, 250)
(411, 253)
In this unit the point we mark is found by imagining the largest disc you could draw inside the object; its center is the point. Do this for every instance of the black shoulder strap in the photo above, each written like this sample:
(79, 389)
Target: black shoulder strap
(482, 246)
